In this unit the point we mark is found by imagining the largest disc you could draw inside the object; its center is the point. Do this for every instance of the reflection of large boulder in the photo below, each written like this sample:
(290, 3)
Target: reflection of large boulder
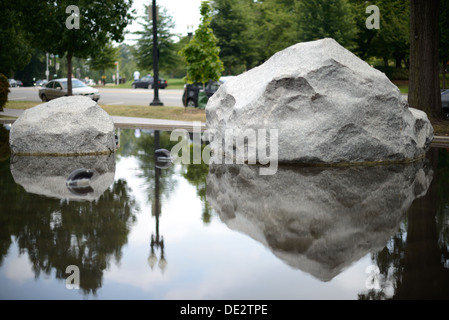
(49, 176)
(319, 220)
(74, 125)
(328, 106)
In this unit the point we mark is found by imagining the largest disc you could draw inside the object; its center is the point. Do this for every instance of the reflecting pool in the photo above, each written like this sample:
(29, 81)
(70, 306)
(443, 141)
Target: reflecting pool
(141, 229)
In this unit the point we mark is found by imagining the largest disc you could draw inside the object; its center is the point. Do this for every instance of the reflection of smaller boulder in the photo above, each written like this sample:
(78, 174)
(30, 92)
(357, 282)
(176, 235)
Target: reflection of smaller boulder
(74, 178)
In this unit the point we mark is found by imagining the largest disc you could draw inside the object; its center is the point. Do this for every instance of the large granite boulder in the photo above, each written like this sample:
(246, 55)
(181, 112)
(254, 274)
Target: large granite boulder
(74, 125)
(316, 219)
(328, 106)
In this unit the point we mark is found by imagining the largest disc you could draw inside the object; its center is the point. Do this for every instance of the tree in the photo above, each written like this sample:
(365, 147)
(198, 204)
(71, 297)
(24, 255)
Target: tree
(326, 18)
(202, 53)
(104, 59)
(15, 52)
(363, 37)
(126, 60)
(393, 39)
(81, 31)
(167, 49)
(232, 23)
(4, 90)
(444, 38)
(34, 70)
(424, 82)
(276, 26)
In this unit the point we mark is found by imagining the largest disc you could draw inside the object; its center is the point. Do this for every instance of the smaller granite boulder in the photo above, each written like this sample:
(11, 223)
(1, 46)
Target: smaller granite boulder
(74, 125)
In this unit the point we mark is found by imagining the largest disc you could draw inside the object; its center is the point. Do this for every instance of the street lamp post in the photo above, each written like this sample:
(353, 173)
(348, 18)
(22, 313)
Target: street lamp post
(47, 72)
(156, 101)
(190, 31)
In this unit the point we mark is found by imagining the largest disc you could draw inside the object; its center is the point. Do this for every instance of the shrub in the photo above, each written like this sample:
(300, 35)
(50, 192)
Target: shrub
(4, 90)
(394, 73)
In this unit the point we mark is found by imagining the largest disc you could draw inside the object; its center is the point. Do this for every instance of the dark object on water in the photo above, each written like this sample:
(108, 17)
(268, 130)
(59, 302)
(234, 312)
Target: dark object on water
(163, 158)
(79, 174)
(78, 181)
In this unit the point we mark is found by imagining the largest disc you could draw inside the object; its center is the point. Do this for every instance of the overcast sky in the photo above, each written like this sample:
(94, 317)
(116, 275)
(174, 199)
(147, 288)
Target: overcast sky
(184, 13)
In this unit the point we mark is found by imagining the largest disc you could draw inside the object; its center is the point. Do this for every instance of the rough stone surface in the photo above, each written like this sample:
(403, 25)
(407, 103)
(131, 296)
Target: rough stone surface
(318, 220)
(74, 125)
(328, 106)
(48, 176)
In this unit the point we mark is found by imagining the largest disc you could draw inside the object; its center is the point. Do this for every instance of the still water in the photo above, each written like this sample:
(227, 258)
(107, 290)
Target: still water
(142, 230)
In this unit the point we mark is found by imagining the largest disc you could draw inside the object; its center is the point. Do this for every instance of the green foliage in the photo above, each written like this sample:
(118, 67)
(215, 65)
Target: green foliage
(99, 23)
(34, 69)
(235, 30)
(15, 51)
(393, 38)
(127, 61)
(5, 152)
(319, 19)
(104, 58)
(201, 54)
(444, 32)
(4, 90)
(276, 26)
(168, 58)
(394, 73)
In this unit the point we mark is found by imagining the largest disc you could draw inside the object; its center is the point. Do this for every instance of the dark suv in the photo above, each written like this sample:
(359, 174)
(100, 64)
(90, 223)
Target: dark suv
(190, 95)
(445, 102)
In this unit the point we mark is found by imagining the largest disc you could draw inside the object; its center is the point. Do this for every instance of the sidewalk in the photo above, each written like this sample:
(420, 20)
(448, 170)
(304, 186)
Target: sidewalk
(125, 122)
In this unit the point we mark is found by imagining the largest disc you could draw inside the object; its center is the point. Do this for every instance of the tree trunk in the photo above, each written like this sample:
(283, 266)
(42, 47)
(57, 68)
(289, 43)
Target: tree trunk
(424, 83)
(424, 276)
(444, 75)
(69, 74)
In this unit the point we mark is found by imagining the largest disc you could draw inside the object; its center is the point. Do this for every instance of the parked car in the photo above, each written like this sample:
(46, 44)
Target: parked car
(146, 82)
(58, 88)
(89, 82)
(12, 83)
(40, 83)
(445, 102)
(226, 78)
(190, 95)
(19, 83)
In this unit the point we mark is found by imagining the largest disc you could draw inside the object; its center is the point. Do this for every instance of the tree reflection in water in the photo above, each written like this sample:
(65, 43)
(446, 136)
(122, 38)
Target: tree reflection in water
(57, 233)
(414, 264)
(196, 175)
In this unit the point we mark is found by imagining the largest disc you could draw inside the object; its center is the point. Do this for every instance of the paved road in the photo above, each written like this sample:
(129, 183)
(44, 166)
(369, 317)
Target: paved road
(111, 96)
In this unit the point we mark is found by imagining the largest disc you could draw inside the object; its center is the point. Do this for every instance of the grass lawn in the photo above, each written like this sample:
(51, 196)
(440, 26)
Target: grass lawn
(154, 112)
